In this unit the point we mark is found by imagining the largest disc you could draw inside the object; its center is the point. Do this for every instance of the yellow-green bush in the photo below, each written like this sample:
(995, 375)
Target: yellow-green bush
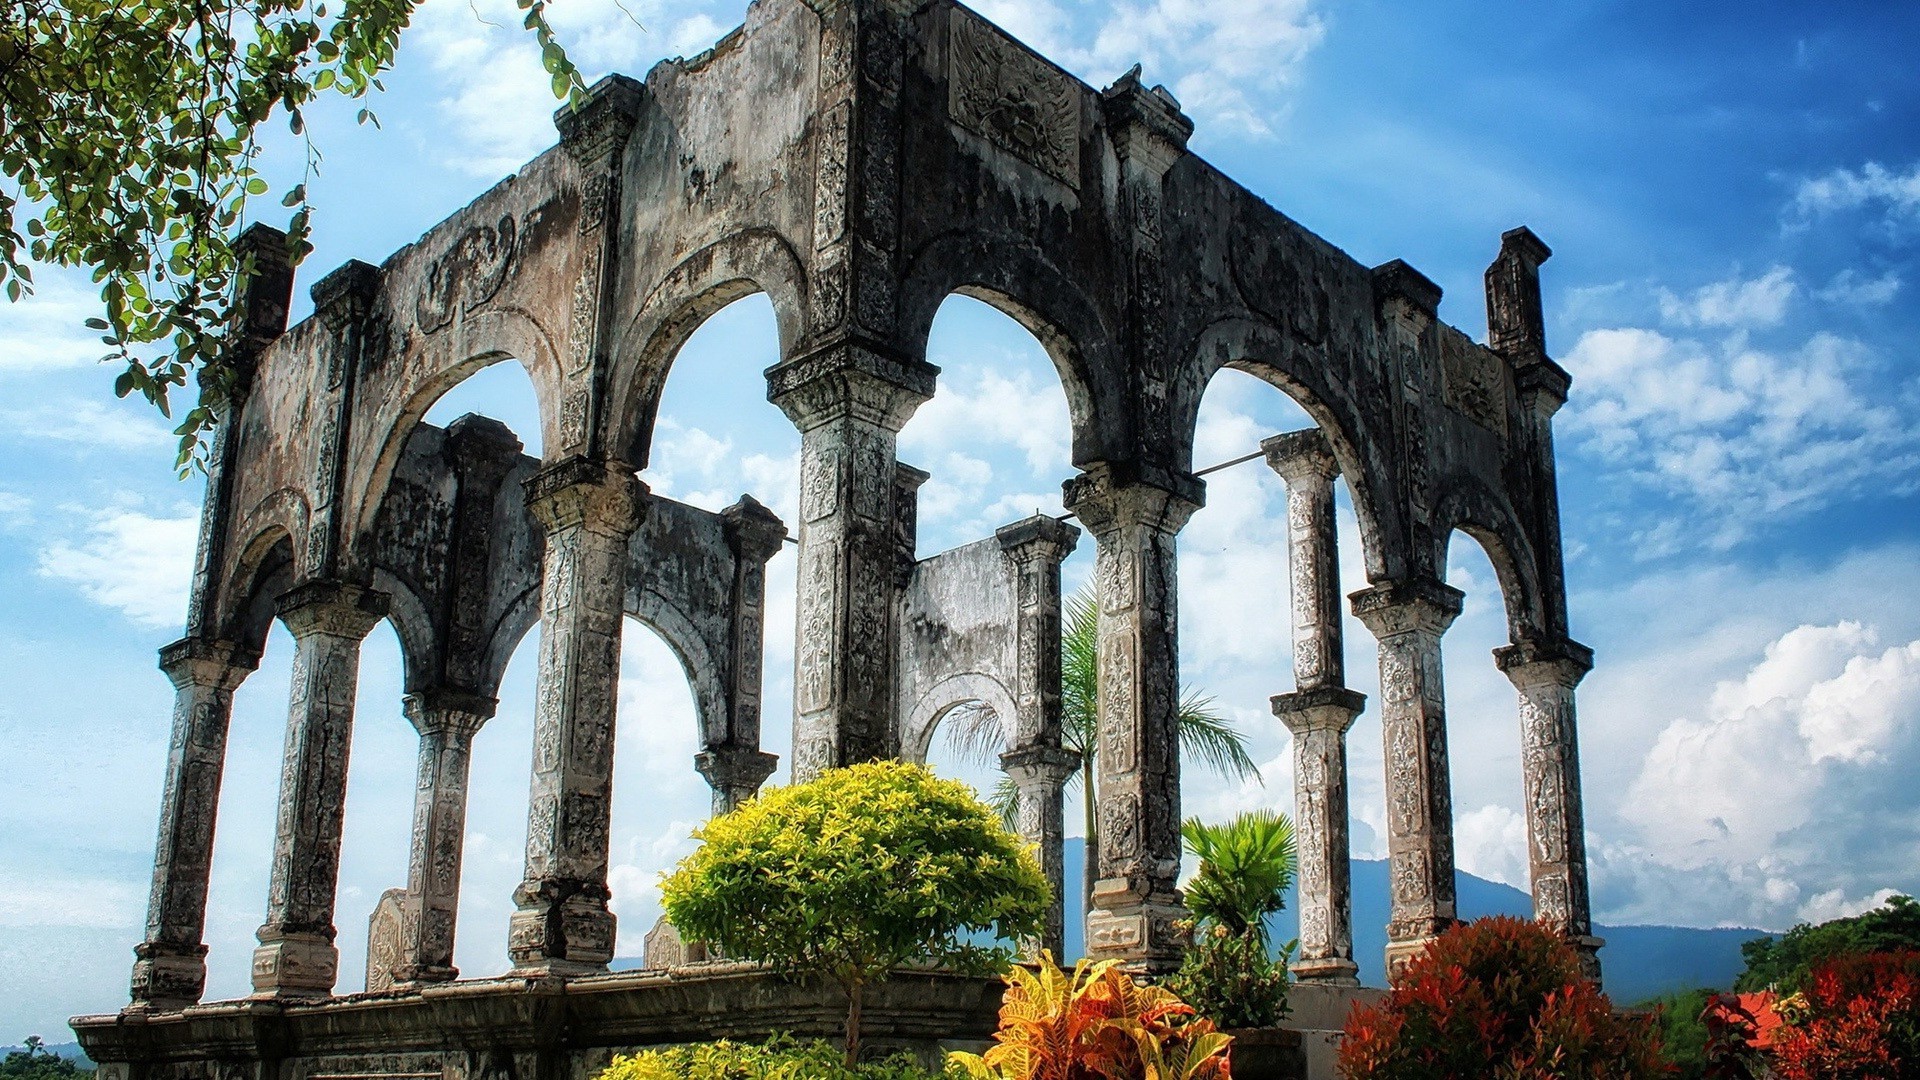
(779, 1059)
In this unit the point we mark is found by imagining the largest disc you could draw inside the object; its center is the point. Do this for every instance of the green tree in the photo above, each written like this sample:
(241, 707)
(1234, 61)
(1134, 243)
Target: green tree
(1782, 963)
(130, 142)
(850, 875)
(1683, 1034)
(977, 733)
(34, 1062)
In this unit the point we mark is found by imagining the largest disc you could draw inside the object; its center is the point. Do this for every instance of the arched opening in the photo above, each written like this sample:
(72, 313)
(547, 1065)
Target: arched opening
(494, 852)
(377, 833)
(500, 390)
(1483, 738)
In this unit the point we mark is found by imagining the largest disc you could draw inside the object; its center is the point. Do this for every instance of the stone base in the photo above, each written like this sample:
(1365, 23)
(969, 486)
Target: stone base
(1589, 948)
(1329, 971)
(584, 945)
(296, 965)
(507, 1028)
(168, 976)
(1268, 1054)
(1319, 1011)
(1403, 952)
(1143, 934)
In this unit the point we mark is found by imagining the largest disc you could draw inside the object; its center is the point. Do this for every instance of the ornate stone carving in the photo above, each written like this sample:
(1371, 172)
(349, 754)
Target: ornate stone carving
(466, 275)
(1474, 381)
(1012, 98)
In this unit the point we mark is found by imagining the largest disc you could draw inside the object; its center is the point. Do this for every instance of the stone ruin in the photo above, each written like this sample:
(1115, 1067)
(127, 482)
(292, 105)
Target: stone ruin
(857, 161)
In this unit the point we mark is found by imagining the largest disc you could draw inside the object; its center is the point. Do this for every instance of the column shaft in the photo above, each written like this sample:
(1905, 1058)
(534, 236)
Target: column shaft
(1319, 720)
(1409, 618)
(589, 509)
(1039, 774)
(1136, 905)
(1545, 676)
(328, 619)
(447, 722)
(170, 971)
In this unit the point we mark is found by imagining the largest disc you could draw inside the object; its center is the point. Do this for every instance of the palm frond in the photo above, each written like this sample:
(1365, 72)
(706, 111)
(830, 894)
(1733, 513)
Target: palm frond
(1211, 739)
(1080, 671)
(975, 733)
(1005, 801)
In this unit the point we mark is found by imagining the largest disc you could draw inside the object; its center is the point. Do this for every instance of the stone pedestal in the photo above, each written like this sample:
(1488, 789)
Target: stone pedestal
(170, 970)
(849, 402)
(1408, 618)
(1136, 904)
(589, 509)
(1545, 675)
(328, 620)
(1039, 774)
(447, 722)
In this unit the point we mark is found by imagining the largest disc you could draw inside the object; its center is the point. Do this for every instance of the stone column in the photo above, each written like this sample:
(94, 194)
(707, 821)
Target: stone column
(447, 721)
(1409, 617)
(1135, 902)
(735, 773)
(1320, 710)
(1039, 774)
(328, 619)
(170, 971)
(736, 767)
(589, 509)
(1545, 674)
(849, 402)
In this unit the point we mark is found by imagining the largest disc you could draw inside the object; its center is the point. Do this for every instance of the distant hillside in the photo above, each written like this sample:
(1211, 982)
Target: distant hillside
(71, 1051)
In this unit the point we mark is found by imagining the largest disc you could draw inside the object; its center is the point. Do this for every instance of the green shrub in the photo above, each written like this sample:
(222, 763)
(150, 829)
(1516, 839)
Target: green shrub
(856, 873)
(1782, 964)
(1232, 980)
(1229, 974)
(780, 1058)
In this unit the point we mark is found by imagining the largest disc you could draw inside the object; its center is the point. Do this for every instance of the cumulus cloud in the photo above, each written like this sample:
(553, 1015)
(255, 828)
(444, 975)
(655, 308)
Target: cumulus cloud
(48, 328)
(1853, 288)
(132, 561)
(1760, 301)
(1872, 186)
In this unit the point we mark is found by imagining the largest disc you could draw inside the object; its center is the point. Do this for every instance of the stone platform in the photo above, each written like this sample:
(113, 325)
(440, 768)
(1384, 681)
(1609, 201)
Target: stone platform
(525, 1029)
(1319, 1013)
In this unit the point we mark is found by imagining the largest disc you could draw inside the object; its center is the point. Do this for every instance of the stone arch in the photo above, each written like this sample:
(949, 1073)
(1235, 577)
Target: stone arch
(522, 614)
(1258, 348)
(413, 625)
(485, 339)
(918, 726)
(262, 568)
(1469, 507)
(703, 668)
(1021, 283)
(745, 263)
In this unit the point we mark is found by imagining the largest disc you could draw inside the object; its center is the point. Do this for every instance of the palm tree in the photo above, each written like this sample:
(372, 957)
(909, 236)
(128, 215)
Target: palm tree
(976, 733)
(1246, 866)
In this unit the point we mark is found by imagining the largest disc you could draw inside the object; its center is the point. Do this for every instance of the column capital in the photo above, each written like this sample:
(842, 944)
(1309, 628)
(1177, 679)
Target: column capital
(1107, 496)
(1542, 386)
(332, 607)
(481, 445)
(1532, 663)
(345, 295)
(596, 494)
(754, 531)
(1038, 539)
(219, 665)
(1301, 457)
(1406, 606)
(1051, 764)
(730, 766)
(1329, 708)
(1147, 125)
(445, 710)
(598, 127)
(1397, 280)
(850, 378)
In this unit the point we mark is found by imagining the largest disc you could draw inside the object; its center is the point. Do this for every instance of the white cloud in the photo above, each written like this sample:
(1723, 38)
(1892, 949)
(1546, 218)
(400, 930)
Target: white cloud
(988, 407)
(1851, 287)
(48, 328)
(86, 424)
(34, 901)
(1833, 904)
(1872, 186)
(1491, 843)
(134, 562)
(1760, 301)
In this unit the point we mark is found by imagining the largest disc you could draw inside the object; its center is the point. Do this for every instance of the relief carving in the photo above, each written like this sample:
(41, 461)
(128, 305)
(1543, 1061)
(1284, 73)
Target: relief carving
(465, 276)
(1474, 383)
(1012, 98)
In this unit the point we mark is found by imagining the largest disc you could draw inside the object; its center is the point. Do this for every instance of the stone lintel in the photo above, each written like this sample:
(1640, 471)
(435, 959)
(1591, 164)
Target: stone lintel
(1147, 125)
(1397, 280)
(1563, 662)
(449, 710)
(754, 532)
(730, 766)
(1108, 495)
(1398, 607)
(851, 377)
(1298, 455)
(346, 294)
(1038, 538)
(599, 124)
(598, 494)
(327, 606)
(1542, 384)
(1328, 707)
(223, 665)
(1523, 244)
(1052, 764)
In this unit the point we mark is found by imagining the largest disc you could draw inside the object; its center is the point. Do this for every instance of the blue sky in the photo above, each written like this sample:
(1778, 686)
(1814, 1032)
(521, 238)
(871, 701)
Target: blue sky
(1734, 199)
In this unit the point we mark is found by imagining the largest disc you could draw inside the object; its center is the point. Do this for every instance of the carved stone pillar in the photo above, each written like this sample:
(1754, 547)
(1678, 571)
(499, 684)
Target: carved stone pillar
(170, 971)
(735, 773)
(1545, 674)
(447, 721)
(849, 403)
(1408, 618)
(589, 509)
(736, 767)
(1039, 774)
(328, 619)
(1135, 902)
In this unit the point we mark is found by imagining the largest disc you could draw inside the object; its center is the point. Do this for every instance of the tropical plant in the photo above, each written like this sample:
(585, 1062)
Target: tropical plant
(1232, 979)
(1498, 997)
(780, 1058)
(1246, 867)
(132, 139)
(855, 873)
(1784, 963)
(1859, 1019)
(977, 733)
(35, 1062)
(1095, 1024)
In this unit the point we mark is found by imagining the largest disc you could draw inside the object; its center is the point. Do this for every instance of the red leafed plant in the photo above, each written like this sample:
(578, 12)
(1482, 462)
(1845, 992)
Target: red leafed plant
(1859, 1020)
(1499, 997)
